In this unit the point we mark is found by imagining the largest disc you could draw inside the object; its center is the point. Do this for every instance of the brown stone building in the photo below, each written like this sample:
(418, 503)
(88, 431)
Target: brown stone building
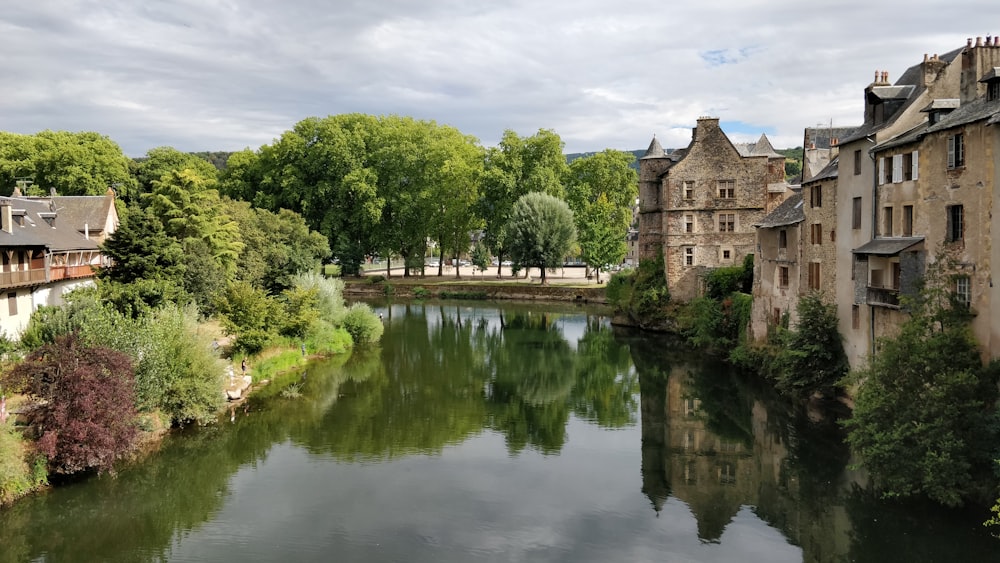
(698, 205)
(777, 265)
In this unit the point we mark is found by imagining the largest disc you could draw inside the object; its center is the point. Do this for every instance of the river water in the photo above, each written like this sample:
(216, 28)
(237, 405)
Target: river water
(480, 432)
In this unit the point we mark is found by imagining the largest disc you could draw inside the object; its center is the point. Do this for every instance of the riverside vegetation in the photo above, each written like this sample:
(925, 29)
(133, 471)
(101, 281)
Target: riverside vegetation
(925, 420)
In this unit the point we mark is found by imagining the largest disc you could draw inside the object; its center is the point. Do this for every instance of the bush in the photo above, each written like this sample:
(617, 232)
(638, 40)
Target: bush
(421, 293)
(362, 324)
(470, 295)
(377, 278)
(811, 357)
(87, 416)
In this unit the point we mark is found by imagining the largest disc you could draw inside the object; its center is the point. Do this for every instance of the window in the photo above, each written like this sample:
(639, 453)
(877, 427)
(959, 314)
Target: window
(12, 303)
(907, 220)
(816, 196)
(956, 223)
(688, 187)
(909, 171)
(689, 223)
(833, 235)
(993, 90)
(776, 316)
(856, 215)
(727, 254)
(887, 221)
(727, 189)
(783, 276)
(897, 168)
(814, 275)
(817, 233)
(875, 279)
(782, 239)
(727, 222)
(963, 290)
(956, 151)
(857, 162)
(855, 317)
(689, 256)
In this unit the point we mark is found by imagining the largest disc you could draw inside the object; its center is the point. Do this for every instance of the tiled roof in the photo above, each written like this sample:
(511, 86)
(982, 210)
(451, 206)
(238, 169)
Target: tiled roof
(654, 150)
(888, 246)
(830, 171)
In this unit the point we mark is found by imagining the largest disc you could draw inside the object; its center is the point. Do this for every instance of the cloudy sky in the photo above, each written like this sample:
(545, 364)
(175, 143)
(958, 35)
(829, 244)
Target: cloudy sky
(229, 74)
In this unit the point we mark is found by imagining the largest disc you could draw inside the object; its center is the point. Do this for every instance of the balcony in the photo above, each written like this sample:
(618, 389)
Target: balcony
(57, 273)
(22, 278)
(883, 297)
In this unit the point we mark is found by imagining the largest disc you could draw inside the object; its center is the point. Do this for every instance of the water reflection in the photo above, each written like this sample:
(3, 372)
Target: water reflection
(483, 433)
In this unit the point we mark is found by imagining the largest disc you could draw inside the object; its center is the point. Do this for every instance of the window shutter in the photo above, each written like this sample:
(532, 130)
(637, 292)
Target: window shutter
(881, 170)
(897, 168)
(951, 152)
(914, 166)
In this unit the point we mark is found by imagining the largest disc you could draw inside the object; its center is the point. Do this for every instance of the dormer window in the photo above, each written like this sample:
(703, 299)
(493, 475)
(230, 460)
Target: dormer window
(939, 108)
(992, 80)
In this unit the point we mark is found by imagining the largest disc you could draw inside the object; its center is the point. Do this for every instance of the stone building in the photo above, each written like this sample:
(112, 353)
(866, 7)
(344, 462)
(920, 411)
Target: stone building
(819, 147)
(890, 110)
(698, 205)
(777, 264)
(934, 191)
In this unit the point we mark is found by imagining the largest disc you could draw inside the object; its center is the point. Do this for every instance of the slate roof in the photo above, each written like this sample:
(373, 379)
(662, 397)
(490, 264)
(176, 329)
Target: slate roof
(788, 213)
(761, 148)
(829, 172)
(913, 76)
(976, 110)
(655, 150)
(823, 137)
(887, 246)
(35, 230)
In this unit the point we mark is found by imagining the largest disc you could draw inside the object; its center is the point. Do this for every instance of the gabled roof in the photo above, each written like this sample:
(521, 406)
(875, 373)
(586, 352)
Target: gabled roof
(788, 213)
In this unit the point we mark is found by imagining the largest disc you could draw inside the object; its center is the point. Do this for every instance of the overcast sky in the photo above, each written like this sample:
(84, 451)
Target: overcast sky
(230, 74)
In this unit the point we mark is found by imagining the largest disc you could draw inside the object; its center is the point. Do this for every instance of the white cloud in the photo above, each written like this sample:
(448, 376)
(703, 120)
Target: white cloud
(222, 75)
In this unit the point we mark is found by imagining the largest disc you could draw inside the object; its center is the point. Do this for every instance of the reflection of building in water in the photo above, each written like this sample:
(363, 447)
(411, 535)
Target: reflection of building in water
(716, 475)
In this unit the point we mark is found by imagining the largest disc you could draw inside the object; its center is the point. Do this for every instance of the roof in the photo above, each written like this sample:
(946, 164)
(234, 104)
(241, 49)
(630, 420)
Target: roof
(993, 74)
(655, 150)
(788, 213)
(761, 148)
(970, 112)
(829, 172)
(888, 246)
(913, 78)
(43, 224)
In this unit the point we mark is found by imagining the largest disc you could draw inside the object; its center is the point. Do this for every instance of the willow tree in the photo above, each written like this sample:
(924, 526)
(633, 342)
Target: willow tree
(515, 167)
(540, 231)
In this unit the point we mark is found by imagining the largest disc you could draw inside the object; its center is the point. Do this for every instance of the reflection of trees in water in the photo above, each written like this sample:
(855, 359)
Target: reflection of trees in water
(606, 384)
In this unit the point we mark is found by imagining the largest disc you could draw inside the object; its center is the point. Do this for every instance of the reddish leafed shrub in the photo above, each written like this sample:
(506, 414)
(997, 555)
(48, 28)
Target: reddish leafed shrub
(87, 416)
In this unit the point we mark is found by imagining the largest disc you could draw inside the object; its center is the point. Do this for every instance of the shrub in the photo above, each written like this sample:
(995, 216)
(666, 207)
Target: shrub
(421, 293)
(811, 357)
(362, 324)
(250, 314)
(470, 295)
(87, 415)
(377, 278)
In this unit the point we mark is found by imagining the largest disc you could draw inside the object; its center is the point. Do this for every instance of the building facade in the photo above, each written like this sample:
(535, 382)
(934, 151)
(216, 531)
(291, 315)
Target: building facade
(698, 205)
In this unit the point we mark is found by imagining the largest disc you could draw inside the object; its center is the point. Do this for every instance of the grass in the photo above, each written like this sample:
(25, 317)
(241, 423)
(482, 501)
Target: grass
(19, 475)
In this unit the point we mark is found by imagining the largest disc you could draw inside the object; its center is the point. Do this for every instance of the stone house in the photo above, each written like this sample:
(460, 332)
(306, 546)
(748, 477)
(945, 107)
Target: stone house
(777, 265)
(49, 246)
(698, 205)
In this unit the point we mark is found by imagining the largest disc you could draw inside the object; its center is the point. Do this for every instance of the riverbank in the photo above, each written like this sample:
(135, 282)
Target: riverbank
(563, 284)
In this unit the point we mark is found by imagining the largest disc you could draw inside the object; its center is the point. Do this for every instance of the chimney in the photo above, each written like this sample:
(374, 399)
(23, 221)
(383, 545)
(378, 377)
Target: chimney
(86, 231)
(6, 216)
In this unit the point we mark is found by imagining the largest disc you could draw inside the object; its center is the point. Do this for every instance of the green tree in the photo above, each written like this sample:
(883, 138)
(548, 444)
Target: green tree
(540, 231)
(601, 190)
(249, 314)
(84, 163)
(161, 161)
(811, 358)
(515, 167)
(924, 421)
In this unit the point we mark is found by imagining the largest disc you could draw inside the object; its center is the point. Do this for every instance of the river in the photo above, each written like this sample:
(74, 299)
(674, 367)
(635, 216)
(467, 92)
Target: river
(482, 432)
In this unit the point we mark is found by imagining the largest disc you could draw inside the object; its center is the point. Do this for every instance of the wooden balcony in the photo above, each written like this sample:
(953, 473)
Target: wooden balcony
(22, 278)
(70, 272)
(883, 297)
